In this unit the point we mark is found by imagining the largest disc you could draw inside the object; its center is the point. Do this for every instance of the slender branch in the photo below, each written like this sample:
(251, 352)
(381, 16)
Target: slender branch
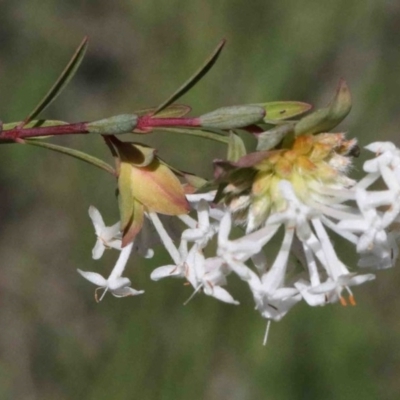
(144, 124)
(20, 133)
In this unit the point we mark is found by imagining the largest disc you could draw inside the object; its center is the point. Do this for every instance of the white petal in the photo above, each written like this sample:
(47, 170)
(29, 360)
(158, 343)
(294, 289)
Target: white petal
(115, 244)
(371, 166)
(98, 250)
(94, 277)
(97, 219)
(165, 272)
(274, 278)
(380, 147)
(284, 293)
(121, 262)
(224, 228)
(203, 214)
(310, 298)
(353, 225)
(111, 232)
(126, 291)
(360, 279)
(241, 269)
(194, 267)
(191, 235)
(118, 283)
(221, 294)
(325, 287)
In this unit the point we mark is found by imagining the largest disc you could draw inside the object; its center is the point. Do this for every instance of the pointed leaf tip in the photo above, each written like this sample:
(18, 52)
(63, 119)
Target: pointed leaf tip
(202, 71)
(281, 110)
(327, 118)
(342, 102)
(61, 82)
(236, 147)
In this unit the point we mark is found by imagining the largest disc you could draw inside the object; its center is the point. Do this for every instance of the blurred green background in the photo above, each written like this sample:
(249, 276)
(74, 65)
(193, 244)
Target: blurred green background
(55, 341)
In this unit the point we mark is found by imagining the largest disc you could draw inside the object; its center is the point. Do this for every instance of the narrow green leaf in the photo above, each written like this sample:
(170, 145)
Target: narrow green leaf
(61, 82)
(281, 110)
(74, 153)
(206, 134)
(193, 79)
(327, 118)
(236, 147)
(173, 111)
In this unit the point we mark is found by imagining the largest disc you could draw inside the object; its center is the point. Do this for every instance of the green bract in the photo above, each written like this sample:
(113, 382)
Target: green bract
(327, 118)
(232, 117)
(145, 184)
(116, 125)
(280, 110)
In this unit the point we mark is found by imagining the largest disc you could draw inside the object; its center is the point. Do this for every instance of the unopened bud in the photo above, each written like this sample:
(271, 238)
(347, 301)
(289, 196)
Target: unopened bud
(232, 117)
(118, 124)
(325, 119)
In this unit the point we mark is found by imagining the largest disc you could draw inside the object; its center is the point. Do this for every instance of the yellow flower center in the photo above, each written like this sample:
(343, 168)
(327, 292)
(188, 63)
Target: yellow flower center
(312, 163)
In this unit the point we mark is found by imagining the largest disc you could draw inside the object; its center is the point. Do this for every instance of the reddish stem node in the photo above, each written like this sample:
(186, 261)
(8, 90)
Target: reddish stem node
(146, 121)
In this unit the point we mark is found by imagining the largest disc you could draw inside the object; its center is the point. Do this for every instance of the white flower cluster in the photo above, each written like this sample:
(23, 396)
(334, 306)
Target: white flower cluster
(306, 267)
(109, 237)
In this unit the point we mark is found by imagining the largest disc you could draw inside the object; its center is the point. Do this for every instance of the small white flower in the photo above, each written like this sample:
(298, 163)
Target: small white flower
(107, 236)
(177, 270)
(243, 248)
(208, 274)
(272, 303)
(115, 284)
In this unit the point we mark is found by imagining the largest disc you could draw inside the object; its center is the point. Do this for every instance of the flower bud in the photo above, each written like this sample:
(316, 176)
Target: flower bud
(325, 119)
(232, 117)
(118, 124)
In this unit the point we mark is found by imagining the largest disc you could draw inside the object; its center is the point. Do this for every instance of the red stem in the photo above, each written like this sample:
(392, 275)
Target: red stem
(21, 133)
(144, 123)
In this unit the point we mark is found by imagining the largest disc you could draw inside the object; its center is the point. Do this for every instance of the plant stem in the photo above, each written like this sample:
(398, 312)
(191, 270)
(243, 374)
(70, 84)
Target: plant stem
(144, 123)
(21, 133)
